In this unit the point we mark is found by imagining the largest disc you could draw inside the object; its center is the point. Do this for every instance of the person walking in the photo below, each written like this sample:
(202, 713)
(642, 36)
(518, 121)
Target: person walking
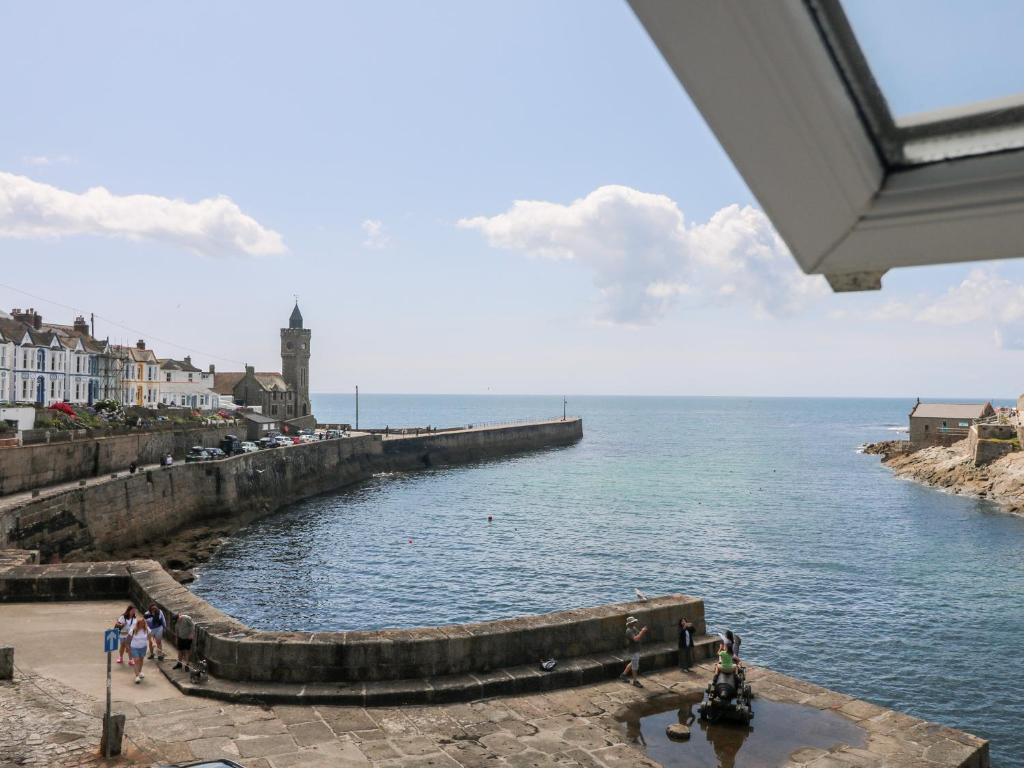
(685, 643)
(139, 634)
(635, 633)
(122, 624)
(157, 621)
(184, 630)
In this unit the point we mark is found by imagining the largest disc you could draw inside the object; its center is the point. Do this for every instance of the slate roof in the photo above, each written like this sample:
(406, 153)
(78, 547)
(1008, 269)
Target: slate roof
(225, 383)
(170, 364)
(137, 355)
(951, 410)
(258, 418)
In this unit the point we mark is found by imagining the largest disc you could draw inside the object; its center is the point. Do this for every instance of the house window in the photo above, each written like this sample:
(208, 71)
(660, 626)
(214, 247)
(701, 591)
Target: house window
(964, 424)
(190, 377)
(53, 388)
(168, 375)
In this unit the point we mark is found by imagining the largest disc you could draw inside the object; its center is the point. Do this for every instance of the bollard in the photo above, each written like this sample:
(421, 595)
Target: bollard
(6, 662)
(113, 734)
(81, 483)
(35, 493)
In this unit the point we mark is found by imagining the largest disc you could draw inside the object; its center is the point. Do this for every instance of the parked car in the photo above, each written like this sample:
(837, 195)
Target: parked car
(248, 447)
(282, 440)
(196, 453)
(230, 444)
(308, 438)
(216, 453)
(267, 442)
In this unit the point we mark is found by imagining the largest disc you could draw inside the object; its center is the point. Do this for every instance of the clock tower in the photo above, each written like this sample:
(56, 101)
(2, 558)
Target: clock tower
(295, 360)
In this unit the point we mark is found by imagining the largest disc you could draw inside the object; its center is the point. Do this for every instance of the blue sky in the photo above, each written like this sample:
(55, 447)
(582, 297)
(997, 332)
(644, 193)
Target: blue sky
(371, 156)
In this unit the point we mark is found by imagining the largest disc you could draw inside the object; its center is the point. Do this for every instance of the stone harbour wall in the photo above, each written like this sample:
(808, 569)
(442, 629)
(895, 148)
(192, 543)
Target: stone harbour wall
(36, 466)
(237, 652)
(134, 509)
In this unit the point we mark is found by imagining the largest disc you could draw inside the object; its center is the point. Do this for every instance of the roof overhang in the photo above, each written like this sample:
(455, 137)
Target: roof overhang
(786, 90)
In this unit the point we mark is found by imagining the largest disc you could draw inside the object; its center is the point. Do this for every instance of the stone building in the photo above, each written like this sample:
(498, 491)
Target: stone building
(285, 395)
(944, 423)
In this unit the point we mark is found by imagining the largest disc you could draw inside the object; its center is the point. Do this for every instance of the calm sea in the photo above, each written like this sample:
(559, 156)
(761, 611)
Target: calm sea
(831, 569)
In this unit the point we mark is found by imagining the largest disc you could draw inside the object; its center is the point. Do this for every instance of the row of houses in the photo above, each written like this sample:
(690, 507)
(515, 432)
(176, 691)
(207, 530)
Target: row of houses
(45, 363)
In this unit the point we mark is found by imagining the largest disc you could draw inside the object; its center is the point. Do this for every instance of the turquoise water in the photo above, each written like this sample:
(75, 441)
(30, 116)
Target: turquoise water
(831, 569)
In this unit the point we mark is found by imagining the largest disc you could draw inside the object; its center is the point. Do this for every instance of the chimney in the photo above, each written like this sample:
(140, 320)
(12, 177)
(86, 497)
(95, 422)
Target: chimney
(140, 344)
(188, 359)
(29, 317)
(250, 370)
(212, 369)
(80, 325)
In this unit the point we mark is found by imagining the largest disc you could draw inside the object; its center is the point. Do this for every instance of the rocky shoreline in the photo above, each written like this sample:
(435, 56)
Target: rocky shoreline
(179, 552)
(952, 469)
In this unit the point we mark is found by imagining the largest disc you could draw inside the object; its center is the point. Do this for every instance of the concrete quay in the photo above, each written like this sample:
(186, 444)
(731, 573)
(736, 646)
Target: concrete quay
(49, 716)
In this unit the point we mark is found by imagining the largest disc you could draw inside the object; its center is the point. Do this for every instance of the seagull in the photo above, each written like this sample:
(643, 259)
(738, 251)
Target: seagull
(641, 596)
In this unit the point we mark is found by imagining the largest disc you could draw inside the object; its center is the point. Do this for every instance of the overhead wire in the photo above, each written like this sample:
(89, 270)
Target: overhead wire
(140, 333)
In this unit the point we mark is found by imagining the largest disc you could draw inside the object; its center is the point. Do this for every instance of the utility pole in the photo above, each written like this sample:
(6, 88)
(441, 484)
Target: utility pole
(357, 406)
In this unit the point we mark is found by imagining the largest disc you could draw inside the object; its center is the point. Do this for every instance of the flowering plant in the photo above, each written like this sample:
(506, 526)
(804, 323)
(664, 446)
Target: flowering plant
(64, 408)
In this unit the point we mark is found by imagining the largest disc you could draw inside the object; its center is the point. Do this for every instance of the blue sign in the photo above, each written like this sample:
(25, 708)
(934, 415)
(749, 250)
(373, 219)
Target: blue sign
(111, 639)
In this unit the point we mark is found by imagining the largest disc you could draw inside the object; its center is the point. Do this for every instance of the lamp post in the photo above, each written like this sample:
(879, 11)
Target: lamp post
(564, 402)
(357, 406)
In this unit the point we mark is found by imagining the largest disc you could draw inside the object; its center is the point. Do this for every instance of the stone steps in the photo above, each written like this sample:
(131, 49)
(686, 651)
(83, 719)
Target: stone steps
(581, 670)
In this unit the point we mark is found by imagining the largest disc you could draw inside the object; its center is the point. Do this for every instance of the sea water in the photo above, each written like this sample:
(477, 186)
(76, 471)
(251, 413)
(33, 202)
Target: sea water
(831, 569)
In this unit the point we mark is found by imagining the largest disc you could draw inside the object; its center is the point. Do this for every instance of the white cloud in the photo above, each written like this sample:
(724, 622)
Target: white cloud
(982, 297)
(47, 159)
(893, 309)
(376, 237)
(644, 257)
(214, 226)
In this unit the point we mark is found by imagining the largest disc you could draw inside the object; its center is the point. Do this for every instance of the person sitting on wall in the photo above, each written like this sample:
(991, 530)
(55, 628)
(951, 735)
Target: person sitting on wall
(726, 663)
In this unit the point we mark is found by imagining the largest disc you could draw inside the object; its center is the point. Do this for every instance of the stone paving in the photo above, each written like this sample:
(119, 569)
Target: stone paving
(563, 729)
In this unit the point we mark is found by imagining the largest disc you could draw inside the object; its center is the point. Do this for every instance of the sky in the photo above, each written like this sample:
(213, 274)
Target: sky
(466, 198)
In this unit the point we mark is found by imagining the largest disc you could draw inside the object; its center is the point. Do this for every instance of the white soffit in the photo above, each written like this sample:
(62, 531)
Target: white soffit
(786, 91)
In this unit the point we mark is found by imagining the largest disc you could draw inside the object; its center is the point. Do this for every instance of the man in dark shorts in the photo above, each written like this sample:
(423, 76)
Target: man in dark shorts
(184, 631)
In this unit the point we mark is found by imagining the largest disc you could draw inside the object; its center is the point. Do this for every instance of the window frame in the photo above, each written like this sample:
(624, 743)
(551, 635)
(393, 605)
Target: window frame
(806, 126)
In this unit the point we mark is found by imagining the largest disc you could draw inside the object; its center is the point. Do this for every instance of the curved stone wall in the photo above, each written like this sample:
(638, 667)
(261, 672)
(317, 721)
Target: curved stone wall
(589, 642)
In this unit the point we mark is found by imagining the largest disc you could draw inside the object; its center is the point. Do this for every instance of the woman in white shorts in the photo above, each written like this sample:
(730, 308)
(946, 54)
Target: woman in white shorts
(139, 641)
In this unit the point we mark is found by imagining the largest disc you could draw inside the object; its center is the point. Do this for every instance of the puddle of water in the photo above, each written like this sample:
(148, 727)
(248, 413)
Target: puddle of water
(776, 731)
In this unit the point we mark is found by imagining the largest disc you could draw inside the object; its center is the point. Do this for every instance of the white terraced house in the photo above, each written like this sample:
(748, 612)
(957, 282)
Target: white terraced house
(183, 385)
(44, 363)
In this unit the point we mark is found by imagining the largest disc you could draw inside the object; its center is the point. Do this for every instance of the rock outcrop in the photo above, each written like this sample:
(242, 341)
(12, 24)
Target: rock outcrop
(953, 469)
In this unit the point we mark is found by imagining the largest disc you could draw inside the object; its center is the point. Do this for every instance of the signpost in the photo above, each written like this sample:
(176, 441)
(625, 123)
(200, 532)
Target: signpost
(111, 640)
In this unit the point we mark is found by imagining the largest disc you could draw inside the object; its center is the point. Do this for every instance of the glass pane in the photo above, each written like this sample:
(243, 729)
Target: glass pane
(936, 54)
